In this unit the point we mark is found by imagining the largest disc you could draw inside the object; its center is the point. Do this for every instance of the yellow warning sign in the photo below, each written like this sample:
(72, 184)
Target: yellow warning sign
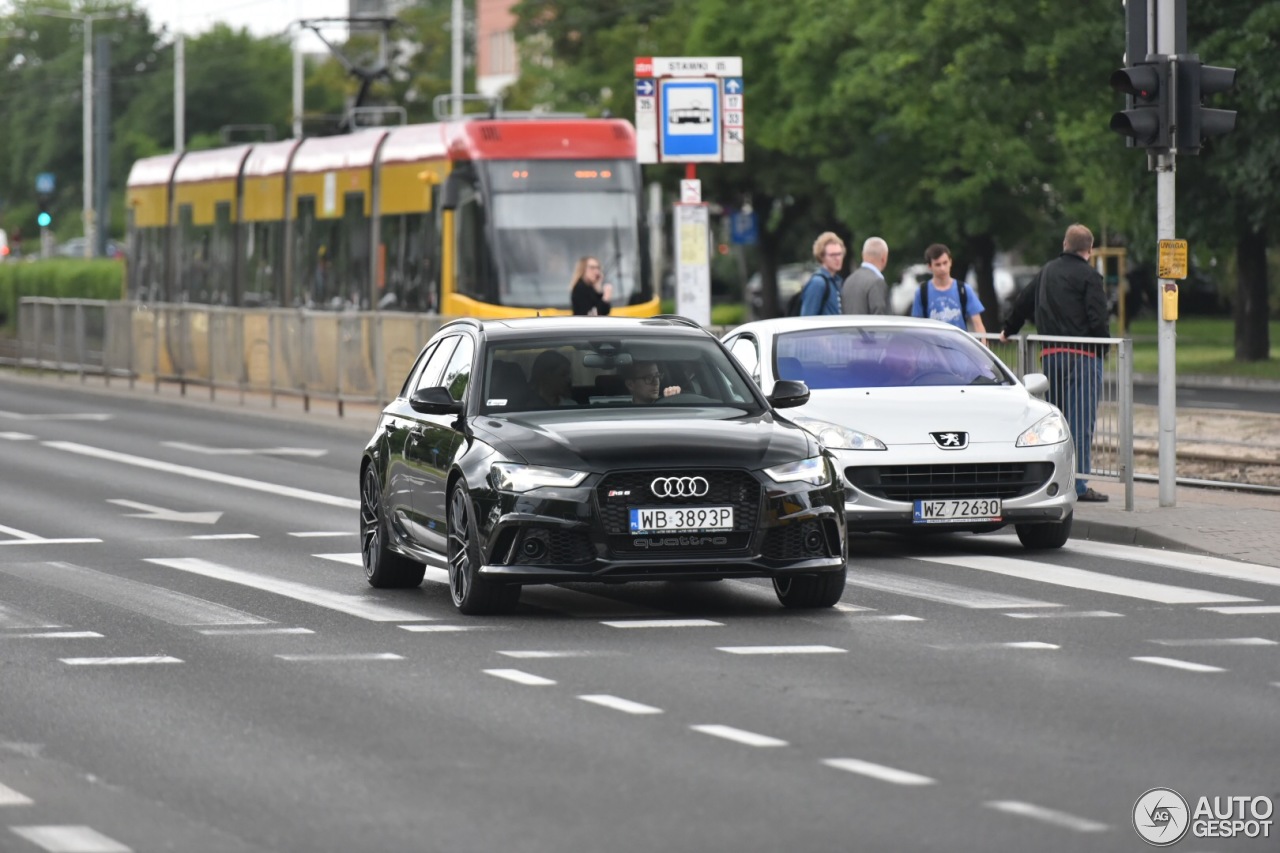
(1173, 259)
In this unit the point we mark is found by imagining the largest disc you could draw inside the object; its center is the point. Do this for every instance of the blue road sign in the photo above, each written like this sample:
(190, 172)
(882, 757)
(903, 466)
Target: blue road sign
(733, 85)
(743, 229)
(45, 182)
(690, 122)
(645, 86)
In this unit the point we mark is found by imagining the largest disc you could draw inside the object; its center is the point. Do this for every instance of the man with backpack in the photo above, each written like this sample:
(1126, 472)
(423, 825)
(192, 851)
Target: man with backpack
(943, 298)
(821, 294)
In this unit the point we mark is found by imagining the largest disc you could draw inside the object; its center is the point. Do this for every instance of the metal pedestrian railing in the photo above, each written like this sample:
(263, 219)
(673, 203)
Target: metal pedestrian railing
(362, 357)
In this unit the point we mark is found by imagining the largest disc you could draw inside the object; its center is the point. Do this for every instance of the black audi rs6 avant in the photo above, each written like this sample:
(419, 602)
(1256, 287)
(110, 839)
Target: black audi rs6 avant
(566, 449)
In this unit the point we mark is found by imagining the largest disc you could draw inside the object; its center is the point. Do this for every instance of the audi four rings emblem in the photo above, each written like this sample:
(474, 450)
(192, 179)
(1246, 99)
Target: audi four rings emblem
(679, 487)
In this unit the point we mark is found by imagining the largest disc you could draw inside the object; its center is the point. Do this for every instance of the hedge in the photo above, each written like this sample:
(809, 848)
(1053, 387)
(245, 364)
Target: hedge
(62, 278)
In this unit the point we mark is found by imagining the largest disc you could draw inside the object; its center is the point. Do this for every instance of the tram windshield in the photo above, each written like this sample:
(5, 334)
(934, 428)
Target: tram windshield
(545, 215)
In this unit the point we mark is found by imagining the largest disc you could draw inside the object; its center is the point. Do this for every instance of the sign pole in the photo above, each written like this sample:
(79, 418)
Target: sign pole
(1167, 298)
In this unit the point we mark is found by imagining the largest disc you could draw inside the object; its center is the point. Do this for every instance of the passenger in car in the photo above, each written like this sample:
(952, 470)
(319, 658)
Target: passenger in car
(644, 380)
(552, 379)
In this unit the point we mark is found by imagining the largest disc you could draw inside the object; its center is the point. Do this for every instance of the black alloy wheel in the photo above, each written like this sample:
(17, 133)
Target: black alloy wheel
(384, 568)
(472, 595)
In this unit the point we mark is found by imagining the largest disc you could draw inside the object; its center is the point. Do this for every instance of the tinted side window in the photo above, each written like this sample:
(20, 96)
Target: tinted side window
(458, 374)
(410, 381)
(430, 376)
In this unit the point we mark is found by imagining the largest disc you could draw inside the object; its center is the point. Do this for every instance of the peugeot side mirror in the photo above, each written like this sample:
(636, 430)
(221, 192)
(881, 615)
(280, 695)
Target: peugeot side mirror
(788, 393)
(434, 401)
(1037, 384)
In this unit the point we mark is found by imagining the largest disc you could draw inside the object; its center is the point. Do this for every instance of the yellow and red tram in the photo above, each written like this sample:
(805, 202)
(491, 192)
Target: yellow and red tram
(480, 217)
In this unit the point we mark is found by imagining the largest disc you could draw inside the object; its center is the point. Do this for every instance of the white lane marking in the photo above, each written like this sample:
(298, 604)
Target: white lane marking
(57, 635)
(739, 735)
(1197, 563)
(1189, 666)
(1053, 816)
(208, 537)
(175, 608)
(245, 451)
(1246, 610)
(323, 658)
(664, 623)
(75, 416)
(13, 618)
(159, 513)
(140, 659)
(1065, 614)
(781, 650)
(21, 534)
(520, 677)
(25, 538)
(229, 632)
(352, 605)
(447, 629)
(16, 436)
(70, 839)
(851, 608)
(10, 797)
(317, 534)
(617, 703)
(882, 617)
(202, 474)
(1030, 644)
(945, 593)
(1218, 641)
(878, 771)
(1083, 579)
(536, 654)
(355, 559)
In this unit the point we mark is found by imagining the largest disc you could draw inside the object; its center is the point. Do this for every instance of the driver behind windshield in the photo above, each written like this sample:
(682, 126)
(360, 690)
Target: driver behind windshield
(644, 380)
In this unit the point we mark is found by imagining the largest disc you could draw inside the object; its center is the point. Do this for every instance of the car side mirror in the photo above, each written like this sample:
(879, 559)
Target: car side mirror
(1037, 384)
(788, 393)
(434, 401)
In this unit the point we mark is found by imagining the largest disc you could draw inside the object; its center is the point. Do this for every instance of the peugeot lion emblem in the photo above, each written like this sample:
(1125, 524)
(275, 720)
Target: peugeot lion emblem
(951, 440)
(679, 487)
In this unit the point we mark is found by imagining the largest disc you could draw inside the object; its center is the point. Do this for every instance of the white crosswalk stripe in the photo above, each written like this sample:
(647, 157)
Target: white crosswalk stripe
(940, 591)
(176, 608)
(12, 618)
(1087, 580)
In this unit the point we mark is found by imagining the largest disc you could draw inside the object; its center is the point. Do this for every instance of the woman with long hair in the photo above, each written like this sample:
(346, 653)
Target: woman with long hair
(588, 292)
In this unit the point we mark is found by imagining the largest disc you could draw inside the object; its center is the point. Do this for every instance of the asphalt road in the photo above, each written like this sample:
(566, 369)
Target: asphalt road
(163, 690)
(1226, 397)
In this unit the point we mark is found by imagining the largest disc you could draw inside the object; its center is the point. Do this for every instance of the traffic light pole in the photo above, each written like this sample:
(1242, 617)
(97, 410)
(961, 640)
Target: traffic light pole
(1166, 33)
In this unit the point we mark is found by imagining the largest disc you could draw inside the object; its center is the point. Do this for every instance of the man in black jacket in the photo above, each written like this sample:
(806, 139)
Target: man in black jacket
(1067, 299)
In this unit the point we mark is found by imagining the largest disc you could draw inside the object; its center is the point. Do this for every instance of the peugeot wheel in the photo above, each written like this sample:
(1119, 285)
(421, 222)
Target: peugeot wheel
(384, 568)
(1043, 537)
(822, 590)
(472, 594)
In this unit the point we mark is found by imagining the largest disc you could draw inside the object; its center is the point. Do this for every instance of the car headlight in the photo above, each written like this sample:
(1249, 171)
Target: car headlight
(508, 477)
(837, 437)
(812, 470)
(1051, 429)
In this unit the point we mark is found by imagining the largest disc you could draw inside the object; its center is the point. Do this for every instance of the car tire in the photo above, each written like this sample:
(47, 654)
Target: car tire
(383, 568)
(471, 594)
(822, 590)
(1044, 537)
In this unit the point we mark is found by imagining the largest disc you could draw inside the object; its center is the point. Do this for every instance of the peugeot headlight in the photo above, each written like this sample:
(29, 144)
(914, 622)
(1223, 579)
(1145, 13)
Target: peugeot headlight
(837, 437)
(1051, 429)
(812, 470)
(508, 477)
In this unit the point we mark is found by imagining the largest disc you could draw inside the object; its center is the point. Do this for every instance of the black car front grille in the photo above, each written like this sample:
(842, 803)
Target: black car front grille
(621, 491)
(1002, 480)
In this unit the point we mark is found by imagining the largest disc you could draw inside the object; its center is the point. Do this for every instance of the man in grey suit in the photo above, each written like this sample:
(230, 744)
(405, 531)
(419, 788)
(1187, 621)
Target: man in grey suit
(865, 290)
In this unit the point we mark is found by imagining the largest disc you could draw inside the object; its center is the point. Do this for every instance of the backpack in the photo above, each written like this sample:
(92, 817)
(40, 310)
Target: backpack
(795, 302)
(964, 300)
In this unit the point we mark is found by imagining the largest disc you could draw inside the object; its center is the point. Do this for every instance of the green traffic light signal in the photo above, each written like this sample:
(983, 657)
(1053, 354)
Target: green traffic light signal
(44, 219)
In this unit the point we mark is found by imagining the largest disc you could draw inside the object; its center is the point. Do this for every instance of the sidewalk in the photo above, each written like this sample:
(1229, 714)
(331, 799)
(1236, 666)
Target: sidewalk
(1216, 522)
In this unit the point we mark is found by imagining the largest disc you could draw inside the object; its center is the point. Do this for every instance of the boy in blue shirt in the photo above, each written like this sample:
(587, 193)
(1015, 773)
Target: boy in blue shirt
(946, 299)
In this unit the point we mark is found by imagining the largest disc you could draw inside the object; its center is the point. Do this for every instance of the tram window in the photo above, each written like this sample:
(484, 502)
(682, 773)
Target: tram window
(221, 257)
(475, 273)
(354, 268)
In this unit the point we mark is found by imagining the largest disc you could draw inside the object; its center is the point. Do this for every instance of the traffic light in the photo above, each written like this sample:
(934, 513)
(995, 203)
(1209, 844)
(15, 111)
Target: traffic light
(1145, 120)
(1196, 122)
(44, 219)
